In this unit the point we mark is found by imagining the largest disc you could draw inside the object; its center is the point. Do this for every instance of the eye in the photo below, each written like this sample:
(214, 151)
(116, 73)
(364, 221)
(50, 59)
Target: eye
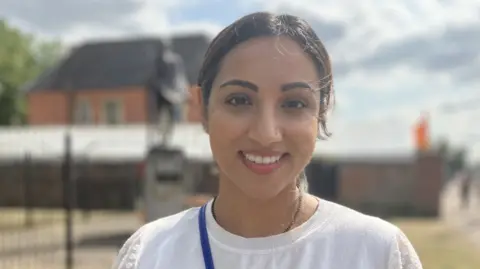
(238, 101)
(294, 104)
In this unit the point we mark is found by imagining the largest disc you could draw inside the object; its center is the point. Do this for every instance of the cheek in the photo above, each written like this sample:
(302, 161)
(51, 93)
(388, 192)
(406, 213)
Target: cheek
(304, 135)
(224, 128)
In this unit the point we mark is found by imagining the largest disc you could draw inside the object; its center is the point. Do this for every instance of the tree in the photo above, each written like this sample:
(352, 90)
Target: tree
(46, 53)
(22, 58)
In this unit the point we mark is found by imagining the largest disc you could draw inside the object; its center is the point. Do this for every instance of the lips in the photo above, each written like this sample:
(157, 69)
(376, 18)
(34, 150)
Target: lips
(263, 163)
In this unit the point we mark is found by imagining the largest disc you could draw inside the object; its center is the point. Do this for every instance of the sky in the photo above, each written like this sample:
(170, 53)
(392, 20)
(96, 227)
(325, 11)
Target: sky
(392, 59)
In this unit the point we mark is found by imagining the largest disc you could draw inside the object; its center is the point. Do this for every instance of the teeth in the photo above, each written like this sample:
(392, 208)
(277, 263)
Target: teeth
(262, 160)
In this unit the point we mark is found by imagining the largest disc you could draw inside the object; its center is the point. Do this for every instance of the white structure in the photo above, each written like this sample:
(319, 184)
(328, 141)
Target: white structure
(130, 142)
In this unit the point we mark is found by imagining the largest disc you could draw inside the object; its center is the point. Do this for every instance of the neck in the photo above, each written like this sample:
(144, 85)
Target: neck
(249, 217)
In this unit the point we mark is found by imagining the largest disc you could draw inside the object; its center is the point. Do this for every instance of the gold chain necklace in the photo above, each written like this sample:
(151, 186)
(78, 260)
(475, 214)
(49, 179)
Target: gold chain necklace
(295, 215)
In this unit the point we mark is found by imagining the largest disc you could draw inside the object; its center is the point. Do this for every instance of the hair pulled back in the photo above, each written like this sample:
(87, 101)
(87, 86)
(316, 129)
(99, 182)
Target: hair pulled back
(263, 24)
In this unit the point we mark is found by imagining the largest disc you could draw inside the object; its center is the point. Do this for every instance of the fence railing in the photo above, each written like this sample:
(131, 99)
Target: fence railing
(65, 213)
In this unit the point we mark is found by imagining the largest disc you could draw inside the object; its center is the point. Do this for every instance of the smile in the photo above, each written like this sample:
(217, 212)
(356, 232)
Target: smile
(262, 165)
(262, 159)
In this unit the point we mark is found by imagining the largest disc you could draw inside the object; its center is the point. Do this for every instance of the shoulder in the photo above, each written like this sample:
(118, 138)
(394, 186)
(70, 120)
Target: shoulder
(374, 236)
(350, 222)
(153, 235)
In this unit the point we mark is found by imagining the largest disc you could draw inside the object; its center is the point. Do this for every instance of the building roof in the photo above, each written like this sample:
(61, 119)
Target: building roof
(192, 49)
(120, 63)
(107, 64)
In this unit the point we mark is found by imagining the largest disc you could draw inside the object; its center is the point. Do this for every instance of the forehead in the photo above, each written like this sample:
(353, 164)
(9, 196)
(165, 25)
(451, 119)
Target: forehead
(268, 61)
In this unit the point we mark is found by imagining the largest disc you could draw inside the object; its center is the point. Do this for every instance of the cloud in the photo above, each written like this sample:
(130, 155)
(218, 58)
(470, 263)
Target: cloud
(439, 37)
(75, 21)
(64, 15)
(394, 46)
(453, 50)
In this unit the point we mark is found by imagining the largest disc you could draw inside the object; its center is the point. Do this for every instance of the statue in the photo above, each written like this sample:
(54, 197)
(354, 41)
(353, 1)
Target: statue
(169, 90)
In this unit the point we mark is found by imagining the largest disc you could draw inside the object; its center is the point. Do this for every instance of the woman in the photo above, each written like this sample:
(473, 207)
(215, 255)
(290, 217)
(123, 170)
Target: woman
(265, 87)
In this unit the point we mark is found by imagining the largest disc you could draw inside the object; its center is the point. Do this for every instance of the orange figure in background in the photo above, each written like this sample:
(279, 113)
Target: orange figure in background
(422, 140)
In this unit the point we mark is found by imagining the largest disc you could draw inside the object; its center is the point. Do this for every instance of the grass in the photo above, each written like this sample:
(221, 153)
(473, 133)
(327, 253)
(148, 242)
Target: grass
(439, 246)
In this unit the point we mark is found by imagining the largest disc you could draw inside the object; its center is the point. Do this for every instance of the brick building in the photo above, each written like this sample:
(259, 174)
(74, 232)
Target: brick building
(117, 82)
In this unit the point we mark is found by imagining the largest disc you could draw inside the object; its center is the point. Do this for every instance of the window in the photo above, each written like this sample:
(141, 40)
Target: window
(112, 112)
(83, 112)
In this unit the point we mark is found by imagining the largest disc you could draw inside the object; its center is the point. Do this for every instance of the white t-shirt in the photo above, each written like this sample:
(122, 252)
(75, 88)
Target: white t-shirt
(335, 237)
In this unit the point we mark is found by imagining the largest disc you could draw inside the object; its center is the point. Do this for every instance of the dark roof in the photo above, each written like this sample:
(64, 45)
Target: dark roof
(109, 64)
(192, 49)
(114, 64)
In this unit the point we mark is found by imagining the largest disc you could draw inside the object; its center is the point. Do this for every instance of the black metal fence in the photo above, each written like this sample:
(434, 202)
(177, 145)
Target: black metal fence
(65, 213)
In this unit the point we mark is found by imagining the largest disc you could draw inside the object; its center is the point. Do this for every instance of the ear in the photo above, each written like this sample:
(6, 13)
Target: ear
(198, 106)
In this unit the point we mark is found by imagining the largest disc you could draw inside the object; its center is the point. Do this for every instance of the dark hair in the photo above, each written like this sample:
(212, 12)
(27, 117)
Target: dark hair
(263, 24)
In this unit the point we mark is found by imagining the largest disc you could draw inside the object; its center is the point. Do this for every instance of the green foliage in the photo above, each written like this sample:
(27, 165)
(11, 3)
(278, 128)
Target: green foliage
(22, 59)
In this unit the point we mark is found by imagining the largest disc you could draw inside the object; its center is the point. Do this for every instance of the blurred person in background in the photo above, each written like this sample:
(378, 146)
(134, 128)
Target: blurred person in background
(266, 88)
(465, 187)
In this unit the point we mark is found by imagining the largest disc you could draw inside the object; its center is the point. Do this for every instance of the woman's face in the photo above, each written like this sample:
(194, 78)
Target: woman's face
(262, 115)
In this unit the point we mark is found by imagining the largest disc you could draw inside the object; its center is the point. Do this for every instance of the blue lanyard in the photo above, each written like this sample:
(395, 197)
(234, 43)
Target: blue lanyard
(202, 227)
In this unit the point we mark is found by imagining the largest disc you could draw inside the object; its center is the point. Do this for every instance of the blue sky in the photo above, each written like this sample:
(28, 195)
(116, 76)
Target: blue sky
(392, 59)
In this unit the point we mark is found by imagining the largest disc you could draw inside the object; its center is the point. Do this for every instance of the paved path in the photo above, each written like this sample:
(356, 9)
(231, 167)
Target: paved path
(465, 219)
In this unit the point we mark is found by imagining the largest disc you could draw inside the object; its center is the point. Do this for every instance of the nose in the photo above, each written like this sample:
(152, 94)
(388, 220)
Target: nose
(265, 128)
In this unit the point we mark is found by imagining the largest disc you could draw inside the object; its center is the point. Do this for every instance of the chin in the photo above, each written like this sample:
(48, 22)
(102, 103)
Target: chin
(263, 187)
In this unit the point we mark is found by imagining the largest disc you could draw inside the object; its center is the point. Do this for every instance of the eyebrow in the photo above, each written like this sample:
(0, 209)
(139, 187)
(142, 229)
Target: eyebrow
(295, 85)
(253, 87)
(241, 83)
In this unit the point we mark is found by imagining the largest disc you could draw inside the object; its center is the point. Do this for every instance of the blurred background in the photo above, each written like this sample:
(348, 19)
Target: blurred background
(98, 132)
